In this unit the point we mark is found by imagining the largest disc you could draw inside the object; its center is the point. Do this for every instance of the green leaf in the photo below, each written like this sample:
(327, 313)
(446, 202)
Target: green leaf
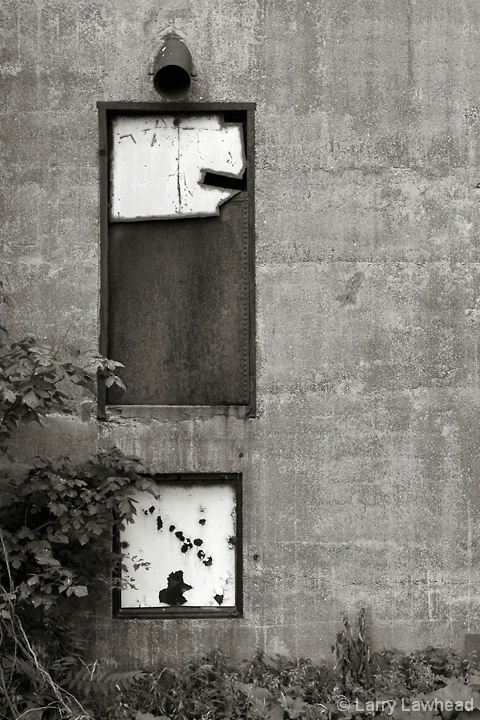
(58, 508)
(80, 590)
(276, 713)
(31, 399)
(254, 692)
(9, 396)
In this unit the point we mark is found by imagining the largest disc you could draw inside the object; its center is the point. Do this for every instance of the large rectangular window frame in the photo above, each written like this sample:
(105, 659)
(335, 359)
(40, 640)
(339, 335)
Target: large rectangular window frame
(234, 480)
(107, 111)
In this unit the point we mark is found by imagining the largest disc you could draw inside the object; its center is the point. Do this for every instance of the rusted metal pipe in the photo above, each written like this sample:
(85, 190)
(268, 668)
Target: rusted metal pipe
(172, 71)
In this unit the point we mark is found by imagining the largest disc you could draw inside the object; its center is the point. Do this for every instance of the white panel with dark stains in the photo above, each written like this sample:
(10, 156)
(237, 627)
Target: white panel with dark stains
(188, 538)
(159, 164)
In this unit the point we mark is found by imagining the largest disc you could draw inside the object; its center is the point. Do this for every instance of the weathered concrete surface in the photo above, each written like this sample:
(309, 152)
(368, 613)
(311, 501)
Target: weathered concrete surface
(361, 470)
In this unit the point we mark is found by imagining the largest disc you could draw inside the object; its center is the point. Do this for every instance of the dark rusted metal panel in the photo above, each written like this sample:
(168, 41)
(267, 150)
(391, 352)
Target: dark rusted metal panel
(179, 309)
(186, 330)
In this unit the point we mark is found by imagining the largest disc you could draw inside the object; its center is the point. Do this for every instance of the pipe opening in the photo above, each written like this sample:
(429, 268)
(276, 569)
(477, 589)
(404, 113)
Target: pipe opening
(173, 69)
(172, 81)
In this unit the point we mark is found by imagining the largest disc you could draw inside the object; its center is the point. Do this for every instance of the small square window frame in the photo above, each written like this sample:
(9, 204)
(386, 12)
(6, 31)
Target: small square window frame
(192, 612)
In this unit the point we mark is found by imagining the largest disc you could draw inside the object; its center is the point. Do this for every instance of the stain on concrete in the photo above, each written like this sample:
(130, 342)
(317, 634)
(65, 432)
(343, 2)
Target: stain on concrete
(349, 297)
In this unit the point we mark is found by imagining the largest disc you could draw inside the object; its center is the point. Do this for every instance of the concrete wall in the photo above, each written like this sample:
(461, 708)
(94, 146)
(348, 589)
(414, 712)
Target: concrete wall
(361, 470)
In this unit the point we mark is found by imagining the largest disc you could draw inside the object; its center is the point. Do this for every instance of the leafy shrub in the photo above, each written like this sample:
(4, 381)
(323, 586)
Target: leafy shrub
(355, 658)
(32, 379)
(213, 688)
(55, 549)
(36, 379)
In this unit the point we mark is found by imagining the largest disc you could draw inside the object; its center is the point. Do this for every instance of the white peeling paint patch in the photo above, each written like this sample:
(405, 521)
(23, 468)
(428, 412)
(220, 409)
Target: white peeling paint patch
(159, 164)
(188, 537)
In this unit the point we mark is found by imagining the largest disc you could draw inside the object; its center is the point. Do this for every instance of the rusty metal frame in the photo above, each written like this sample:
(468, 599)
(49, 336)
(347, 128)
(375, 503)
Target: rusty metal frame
(107, 110)
(234, 479)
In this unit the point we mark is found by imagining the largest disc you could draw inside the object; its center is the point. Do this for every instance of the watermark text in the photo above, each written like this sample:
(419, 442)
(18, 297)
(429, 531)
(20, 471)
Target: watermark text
(387, 707)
